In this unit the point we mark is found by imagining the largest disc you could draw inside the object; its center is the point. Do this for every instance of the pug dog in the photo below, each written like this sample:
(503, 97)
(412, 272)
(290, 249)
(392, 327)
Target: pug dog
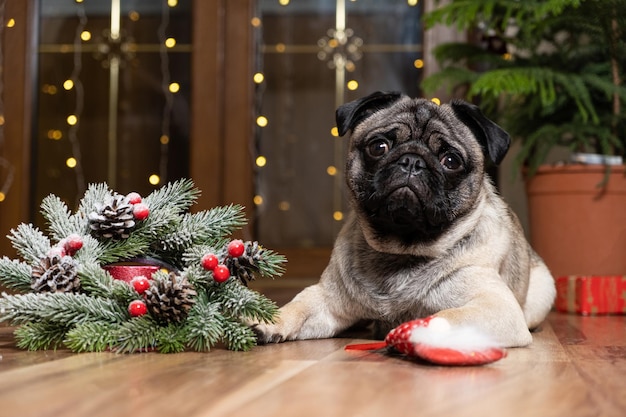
(428, 236)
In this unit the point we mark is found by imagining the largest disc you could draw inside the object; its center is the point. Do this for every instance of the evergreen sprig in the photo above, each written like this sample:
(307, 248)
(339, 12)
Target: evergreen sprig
(95, 315)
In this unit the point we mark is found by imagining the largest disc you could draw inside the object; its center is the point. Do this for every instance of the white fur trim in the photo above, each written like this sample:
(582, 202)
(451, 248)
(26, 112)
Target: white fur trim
(440, 334)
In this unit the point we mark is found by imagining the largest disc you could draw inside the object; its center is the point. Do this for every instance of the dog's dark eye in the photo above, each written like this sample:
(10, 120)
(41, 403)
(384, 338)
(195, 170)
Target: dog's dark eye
(378, 148)
(452, 162)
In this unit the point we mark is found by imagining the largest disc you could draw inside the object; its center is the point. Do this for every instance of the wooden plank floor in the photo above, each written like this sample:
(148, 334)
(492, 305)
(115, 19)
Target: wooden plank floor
(575, 367)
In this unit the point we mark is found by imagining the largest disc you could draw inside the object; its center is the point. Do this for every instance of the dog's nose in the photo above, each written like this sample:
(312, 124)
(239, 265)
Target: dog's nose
(411, 163)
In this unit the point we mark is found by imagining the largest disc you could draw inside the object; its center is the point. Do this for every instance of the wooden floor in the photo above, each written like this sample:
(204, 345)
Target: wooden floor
(575, 367)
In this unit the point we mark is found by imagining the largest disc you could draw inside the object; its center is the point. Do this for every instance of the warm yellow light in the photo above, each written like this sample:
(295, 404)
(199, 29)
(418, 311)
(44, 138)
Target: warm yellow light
(49, 89)
(164, 139)
(262, 121)
(331, 170)
(333, 43)
(258, 200)
(79, 1)
(11, 23)
(338, 216)
(334, 131)
(280, 47)
(258, 78)
(283, 2)
(352, 85)
(154, 179)
(412, 2)
(71, 162)
(261, 161)
(284, 206)
(507, 56)
(174, 87)
(170, 42)
(1, 119)
(85, 35)
(2, 196)
(134, 15)
(55, 134)
(172, 3)
(350, 67)
(435, 100)
(68, 84)
(255, 21)
(72, 120)
(418, 63)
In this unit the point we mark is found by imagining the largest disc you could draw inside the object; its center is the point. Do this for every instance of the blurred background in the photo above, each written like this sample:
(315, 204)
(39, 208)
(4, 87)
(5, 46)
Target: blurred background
(238, 95)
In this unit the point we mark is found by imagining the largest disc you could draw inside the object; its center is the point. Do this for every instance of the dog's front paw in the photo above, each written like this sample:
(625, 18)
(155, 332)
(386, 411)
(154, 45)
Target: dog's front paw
(267, 333)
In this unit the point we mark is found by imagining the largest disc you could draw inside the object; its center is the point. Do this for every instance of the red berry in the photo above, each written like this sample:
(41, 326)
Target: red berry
(209, 261)
(134, 198)
(236, 248)
(141, 211)
(140, 283)
(137, 308)
(221, 273)
(72, 244)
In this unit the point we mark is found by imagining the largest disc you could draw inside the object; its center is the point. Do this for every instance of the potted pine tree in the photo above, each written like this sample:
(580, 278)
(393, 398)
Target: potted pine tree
(552, 73)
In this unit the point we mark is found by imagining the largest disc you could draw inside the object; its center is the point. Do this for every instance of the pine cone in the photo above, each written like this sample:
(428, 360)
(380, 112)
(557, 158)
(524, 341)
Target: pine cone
(55, 273)
(170, 299)
(245, 266)
(113, 218)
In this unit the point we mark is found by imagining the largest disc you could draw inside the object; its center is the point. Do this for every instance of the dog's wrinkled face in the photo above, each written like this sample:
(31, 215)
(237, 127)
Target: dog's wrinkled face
(415, 167)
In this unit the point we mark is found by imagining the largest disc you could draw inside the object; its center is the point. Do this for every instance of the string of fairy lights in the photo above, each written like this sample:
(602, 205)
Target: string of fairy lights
(7, 170)
(102, 46)
(341, 50)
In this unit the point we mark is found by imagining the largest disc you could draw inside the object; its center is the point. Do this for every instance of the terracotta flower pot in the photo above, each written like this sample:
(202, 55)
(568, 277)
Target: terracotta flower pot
(577, 227)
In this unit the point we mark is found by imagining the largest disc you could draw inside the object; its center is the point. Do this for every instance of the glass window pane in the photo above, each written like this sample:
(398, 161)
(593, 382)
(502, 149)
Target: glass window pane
(113, 96)
(315, 55)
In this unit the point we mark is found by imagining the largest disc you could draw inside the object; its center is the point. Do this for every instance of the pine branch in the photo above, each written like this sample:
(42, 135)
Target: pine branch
(40, 336)
(95, 194)
(137, 335)
(59, 308)
(205, 227)
(15, 274)
(180, 195)
(172, 339)
(29, 242)
(116, 250)
(95, 281)
(204, 326)
(241, 303)
(94, 336)
(238, 336)
(91, 252)
(60, 221)
(271, 264)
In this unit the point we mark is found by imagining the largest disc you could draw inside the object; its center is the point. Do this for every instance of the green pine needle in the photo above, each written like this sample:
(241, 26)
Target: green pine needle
(59, 308)
(238, 336)
(94, 336)
(29, 242)
(60, 221)
(204, 325)
(138, 334)
(39, 335)
(172, 339)
(15, 274)
(242, 303)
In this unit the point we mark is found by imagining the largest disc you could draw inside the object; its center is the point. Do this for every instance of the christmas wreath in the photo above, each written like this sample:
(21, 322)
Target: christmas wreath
(131, 274)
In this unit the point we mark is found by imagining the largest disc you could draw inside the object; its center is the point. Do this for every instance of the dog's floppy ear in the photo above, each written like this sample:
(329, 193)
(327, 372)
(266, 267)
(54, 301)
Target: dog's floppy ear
(350, 114)
(493, 139)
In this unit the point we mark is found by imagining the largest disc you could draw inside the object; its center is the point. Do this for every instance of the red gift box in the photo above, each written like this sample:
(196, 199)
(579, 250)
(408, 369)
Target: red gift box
(591, 294)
